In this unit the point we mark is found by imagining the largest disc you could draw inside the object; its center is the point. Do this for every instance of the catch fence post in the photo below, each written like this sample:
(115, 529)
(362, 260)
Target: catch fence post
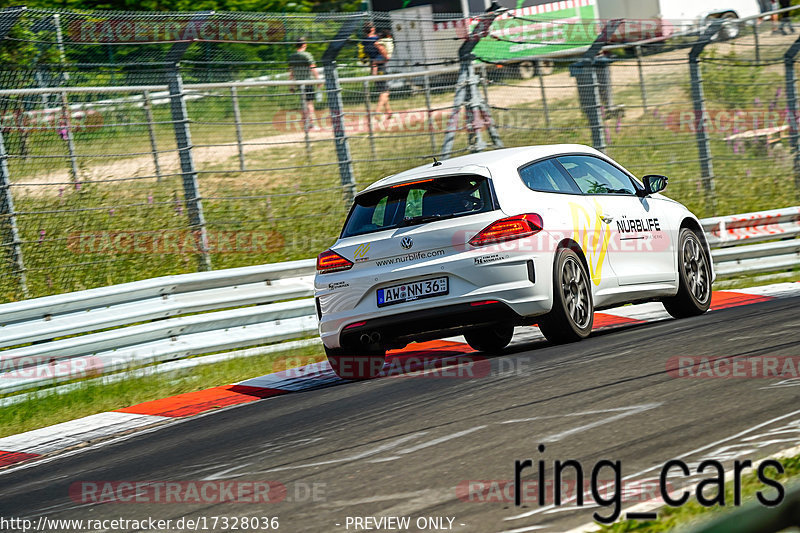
(237, 119)
(700, 112)
(9, 231)
(147, 104)
(183, 141)
(333, 89)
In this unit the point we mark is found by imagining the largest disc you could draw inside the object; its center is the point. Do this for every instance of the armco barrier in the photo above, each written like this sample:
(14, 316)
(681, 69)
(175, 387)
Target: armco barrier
(109, 329)
(731, 235)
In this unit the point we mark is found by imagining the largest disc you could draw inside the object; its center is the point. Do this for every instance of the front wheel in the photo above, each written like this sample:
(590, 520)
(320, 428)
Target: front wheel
(489, 339)
(356, 364)
(572, 315)
(694, 278)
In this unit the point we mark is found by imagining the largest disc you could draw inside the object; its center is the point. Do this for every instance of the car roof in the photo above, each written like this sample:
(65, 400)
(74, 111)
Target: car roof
(496, 161)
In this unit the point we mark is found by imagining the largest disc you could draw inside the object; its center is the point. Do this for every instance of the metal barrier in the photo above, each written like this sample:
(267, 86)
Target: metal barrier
(110, 329)
(728, 235)
(105, 330)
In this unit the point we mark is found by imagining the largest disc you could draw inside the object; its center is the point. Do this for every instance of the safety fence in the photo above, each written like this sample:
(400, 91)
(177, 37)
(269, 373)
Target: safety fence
(108, 330)
(136, 145)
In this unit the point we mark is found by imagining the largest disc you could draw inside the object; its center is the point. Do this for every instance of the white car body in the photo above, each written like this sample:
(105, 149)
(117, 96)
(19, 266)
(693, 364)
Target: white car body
(635, 263)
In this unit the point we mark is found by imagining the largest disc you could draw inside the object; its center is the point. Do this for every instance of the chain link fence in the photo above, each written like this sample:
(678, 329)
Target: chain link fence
(143, 144)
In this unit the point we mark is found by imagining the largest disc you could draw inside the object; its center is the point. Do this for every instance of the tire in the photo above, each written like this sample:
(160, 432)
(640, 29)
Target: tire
(490, 339)
(694, 278)
(572, 315)
(526, 70)
(356, 365)
(730, 29)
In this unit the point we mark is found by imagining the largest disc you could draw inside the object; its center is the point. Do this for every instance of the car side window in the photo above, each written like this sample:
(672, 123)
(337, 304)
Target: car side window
(547, 176)
(595, 176)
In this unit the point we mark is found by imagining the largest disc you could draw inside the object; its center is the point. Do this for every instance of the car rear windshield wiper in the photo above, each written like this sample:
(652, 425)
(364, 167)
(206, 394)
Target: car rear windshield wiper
(410, 221)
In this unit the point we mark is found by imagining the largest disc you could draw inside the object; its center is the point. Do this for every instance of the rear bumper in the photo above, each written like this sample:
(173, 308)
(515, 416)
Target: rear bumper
(427, 324)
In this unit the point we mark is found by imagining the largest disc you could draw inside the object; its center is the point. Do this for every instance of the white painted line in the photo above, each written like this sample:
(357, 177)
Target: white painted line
(650, 469)
(354, 457)
(636, 408)
(74, 432)
(430, 443)
(652, 505)
(524, 529)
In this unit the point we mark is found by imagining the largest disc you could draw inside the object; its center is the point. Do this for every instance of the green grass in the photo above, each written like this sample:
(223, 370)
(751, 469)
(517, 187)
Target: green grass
(693, 513)
(294, 199)
(46, 409)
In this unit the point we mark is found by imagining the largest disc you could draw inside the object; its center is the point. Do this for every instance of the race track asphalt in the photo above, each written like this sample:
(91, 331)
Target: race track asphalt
(408, 445)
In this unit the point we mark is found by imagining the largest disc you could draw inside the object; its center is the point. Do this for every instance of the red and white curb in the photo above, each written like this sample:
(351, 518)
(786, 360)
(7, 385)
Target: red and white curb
(419, 356)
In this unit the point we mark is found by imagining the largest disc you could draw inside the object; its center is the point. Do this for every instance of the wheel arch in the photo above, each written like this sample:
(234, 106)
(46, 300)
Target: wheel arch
(694, 225)
(575, 247)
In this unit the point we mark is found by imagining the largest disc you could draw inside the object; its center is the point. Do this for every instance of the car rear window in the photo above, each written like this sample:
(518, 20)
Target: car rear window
(418, 202)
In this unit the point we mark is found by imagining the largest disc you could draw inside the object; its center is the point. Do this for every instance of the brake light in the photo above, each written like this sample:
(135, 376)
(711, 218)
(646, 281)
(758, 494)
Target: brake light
(507, 229)
(330, 261)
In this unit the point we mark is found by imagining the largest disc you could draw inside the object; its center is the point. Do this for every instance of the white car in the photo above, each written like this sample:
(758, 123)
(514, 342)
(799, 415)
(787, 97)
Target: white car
(479, 244)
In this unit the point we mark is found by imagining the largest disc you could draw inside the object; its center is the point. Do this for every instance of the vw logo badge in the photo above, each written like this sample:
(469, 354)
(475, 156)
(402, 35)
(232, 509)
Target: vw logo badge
(406, 243)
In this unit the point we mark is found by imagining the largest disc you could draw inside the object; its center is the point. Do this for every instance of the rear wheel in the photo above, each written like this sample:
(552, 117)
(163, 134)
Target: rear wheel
(490, 339)
(572, 315)
(356, 364)
(694, 278)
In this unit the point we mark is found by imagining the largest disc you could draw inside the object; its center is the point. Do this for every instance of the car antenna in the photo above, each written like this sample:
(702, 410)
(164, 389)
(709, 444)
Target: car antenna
(436, 162)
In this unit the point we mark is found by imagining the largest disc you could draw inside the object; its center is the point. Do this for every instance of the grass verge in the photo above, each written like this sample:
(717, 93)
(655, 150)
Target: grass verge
(46, 409)
(693, 513)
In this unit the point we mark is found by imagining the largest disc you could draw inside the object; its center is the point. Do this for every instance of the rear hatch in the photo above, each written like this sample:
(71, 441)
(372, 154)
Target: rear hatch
(417, 221)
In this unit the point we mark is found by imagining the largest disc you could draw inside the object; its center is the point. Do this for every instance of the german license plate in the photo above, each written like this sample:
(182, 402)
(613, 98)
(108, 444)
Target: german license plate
(416, 290)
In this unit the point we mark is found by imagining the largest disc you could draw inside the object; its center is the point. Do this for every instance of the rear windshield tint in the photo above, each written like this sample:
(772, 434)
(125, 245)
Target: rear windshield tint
(418, 202)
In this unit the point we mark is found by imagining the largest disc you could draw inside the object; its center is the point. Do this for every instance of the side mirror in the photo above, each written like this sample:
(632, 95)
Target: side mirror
(654, 183)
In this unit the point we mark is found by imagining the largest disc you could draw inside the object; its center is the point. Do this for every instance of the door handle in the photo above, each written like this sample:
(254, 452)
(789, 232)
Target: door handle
(608, 219)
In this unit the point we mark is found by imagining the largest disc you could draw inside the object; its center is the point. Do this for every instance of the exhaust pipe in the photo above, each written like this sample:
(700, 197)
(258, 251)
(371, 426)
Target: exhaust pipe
(370, 338)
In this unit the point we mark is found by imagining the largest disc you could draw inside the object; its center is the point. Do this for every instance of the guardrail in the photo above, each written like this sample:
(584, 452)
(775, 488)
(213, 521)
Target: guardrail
(106, 330)
(729, 237)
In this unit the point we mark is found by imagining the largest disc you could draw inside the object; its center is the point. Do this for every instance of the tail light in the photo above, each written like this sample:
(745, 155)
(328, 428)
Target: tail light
(329, 261)
(507, 229)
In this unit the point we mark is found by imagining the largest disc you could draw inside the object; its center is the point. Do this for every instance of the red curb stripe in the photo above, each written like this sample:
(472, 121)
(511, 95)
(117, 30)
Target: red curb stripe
(603, 320)
(726, 299)
(194, 403)
(10, 458)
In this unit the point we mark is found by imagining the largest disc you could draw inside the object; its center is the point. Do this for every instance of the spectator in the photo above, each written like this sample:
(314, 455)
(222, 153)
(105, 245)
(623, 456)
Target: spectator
(302, 67)
(786, 21)
(767, 6)
(378, 57)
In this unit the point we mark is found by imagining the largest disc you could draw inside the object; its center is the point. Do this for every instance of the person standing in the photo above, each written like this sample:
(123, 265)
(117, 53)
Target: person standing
(378, 57)
(302, 67)
(786, 21)
(766, 6)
